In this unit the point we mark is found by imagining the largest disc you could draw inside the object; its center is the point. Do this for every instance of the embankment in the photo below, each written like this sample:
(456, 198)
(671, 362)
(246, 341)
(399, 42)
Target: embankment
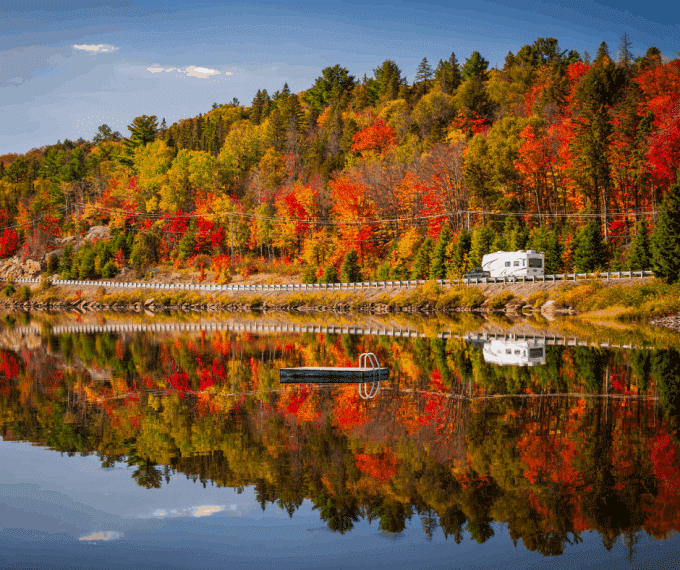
(548, 297)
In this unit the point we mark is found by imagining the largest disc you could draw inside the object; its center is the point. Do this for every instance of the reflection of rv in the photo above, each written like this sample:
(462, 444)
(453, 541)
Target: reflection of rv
(514, 263)
(514, 352)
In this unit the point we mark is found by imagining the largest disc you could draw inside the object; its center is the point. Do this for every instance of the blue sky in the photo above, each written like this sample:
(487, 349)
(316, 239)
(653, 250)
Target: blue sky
(67, 67)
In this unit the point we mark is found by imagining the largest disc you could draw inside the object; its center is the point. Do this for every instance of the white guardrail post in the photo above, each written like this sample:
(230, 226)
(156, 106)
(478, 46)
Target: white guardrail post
(354, 285)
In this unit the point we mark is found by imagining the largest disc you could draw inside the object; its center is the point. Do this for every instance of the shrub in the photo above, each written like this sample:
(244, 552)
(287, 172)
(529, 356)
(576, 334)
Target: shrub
(9, 290)
(45, 283)
(109, 270)
(330, 275)
(202, 260)
(501, 300)
(53, 264)
(461, 297)
(383, 272)
(537, 299)
(309, 275)
(24, 293)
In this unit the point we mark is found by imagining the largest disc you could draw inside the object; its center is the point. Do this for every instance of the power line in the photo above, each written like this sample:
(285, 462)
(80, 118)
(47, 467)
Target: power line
(326, 222)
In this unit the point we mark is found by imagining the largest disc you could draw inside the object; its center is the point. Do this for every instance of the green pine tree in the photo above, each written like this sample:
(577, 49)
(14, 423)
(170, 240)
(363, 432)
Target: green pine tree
(553, 253)
(666, 237)
(519, 238)
(186, 245)
(482, 241)
(309, 275)
(438, 261)
(421, 268)
(640, 256)
(330, 275)
(590, 252)
(350, 272)
(458, 258)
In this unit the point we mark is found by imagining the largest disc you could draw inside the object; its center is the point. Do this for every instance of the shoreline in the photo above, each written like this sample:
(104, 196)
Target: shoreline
(645, 301)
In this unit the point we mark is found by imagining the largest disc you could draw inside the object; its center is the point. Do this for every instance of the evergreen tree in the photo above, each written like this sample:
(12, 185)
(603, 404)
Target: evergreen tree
(66, 262)
(277, 130)
(666, 237)
(421, 268)
(143, 131)
(640, 256)
(475, 66)
(482, 240)
(350, 272)
(539, 239)
(256, 108)
(501, 242)
(423, 76)
(330, 275)
(310, 275)
(625, 55)
(519, 238)
(186, 245)
(438, 261)
(458, 258)
(424, 72)
(105, 134)
(602, 52)
(590, 252)
(553, 253)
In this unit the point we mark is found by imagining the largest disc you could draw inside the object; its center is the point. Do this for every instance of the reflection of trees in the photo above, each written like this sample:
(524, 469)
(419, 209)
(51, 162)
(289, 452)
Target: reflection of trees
(147, 475)
(458, 464)
(339, 511)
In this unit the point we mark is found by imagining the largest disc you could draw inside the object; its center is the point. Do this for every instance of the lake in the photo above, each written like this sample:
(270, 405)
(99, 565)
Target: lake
(169, 442)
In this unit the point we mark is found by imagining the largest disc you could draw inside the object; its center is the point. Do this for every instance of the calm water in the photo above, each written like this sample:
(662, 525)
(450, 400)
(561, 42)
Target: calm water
(180, 449)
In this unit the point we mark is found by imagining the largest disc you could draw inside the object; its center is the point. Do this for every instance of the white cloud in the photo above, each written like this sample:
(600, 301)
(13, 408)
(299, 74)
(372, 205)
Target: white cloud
(108, 535)
(201, 72)
(192, 70)
(159, 69)
(96, 47)
(206, 510)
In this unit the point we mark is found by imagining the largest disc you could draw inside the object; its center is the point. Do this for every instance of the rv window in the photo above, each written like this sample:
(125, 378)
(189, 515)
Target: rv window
(508, 264)
(508, 351)
(518, 352)
(535, 262)
(516, 263)
(535, 353)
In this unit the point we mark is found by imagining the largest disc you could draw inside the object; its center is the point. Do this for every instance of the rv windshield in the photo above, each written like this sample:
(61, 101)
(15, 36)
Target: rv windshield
(535, 262)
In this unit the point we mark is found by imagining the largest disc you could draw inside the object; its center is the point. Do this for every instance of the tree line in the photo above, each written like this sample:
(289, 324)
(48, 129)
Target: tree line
(554, 151)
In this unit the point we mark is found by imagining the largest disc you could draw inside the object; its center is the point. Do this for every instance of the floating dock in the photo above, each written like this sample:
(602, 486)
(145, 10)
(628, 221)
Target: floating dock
(332, 375)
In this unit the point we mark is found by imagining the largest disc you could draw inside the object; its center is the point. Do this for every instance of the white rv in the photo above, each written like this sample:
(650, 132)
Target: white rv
(514, 263)
(514, 352)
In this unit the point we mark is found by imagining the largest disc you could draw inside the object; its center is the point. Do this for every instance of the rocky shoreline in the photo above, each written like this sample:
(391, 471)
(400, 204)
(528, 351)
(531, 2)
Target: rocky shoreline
(372, 308)
(671, 322)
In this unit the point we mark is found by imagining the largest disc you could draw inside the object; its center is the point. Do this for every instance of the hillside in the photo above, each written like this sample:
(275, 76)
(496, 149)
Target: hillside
(372, 178)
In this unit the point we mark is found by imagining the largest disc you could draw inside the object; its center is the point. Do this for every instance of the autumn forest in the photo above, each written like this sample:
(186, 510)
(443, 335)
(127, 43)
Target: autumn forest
(358, 178)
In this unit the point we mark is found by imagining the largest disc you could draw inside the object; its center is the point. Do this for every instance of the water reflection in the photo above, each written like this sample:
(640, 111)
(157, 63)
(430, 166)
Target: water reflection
(512, 352)
(460, 436)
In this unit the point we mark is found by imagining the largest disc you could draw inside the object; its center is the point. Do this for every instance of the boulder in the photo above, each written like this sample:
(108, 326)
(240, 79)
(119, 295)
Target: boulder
(16, 268)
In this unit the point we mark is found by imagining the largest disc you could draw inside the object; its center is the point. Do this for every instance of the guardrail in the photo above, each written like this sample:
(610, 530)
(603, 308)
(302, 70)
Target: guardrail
(263, 328)
(350, 286)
